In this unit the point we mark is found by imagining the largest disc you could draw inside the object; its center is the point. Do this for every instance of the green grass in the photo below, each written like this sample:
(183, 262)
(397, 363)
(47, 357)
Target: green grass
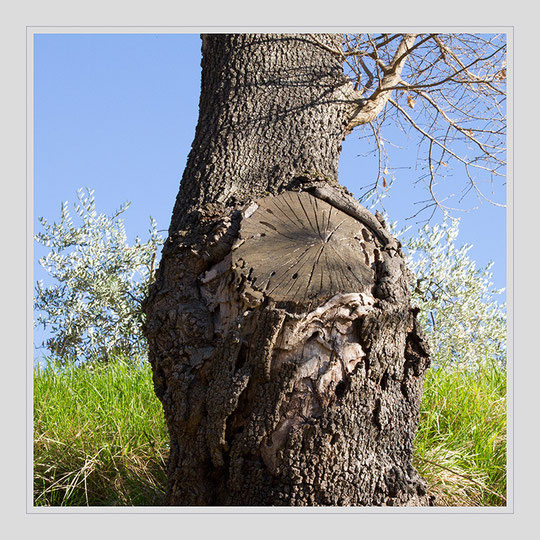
(100, 439)
(461, 440)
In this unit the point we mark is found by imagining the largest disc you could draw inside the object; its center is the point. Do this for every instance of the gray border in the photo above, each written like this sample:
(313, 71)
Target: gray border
(510, 254)
(88, 29)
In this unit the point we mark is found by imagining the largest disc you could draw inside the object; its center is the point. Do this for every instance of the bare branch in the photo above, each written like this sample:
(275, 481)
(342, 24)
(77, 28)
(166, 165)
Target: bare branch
(454, 87)
(371, 107)
(435, 141)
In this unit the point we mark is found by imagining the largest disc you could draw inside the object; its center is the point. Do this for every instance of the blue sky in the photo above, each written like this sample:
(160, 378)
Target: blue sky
(117, 113)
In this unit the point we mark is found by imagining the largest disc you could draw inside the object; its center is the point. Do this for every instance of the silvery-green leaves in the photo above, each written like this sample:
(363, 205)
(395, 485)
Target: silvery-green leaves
(93, 308)
(465, 324)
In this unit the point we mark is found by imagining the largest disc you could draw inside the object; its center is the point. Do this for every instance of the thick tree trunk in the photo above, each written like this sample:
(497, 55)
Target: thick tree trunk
(283, 345)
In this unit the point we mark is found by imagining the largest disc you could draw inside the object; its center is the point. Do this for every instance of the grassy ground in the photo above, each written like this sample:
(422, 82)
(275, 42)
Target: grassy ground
(461, 440)
(100, 439)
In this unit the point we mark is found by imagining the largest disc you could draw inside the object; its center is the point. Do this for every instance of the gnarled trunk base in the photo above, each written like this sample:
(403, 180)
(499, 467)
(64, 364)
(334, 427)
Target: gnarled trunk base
(287, 356)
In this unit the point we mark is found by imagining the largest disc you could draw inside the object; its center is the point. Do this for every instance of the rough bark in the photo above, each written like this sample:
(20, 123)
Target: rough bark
(283, 345)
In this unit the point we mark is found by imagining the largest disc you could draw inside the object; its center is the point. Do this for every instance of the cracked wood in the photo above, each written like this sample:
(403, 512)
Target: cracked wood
(298, 248)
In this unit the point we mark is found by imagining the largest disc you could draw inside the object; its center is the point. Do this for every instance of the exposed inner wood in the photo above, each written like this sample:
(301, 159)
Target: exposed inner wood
(298, 248)
(324, 351)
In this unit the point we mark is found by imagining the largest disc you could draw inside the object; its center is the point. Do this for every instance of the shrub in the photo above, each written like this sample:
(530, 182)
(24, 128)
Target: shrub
(93, 308)
(464, 322)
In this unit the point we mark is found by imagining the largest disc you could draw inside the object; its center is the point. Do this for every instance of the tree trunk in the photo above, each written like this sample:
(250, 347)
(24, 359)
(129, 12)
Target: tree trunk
(282, 342)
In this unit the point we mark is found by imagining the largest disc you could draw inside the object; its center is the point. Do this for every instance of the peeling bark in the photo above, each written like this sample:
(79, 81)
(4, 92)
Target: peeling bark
(283, 346)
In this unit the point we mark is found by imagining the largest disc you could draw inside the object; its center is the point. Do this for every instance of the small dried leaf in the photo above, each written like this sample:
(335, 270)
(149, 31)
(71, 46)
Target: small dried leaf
(384, 181)
(410, 101)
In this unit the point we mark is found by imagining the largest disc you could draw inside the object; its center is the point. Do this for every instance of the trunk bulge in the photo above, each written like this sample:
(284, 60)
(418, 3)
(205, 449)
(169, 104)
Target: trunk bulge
(283, 345)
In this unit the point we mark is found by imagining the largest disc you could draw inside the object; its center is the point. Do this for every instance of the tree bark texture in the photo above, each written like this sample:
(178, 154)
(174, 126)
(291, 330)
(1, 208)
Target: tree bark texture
(282, 341)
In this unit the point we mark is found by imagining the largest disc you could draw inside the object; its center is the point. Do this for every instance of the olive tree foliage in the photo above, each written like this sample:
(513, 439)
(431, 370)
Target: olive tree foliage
(459, 311)
(92, 309)
(446, 93)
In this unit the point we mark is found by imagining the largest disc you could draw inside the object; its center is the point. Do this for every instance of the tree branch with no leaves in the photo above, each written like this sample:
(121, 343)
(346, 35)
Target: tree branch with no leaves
(369, 108)
(454, 87)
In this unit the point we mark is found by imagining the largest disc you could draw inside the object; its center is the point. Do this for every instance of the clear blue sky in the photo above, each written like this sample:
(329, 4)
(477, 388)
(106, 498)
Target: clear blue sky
(117, 113)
